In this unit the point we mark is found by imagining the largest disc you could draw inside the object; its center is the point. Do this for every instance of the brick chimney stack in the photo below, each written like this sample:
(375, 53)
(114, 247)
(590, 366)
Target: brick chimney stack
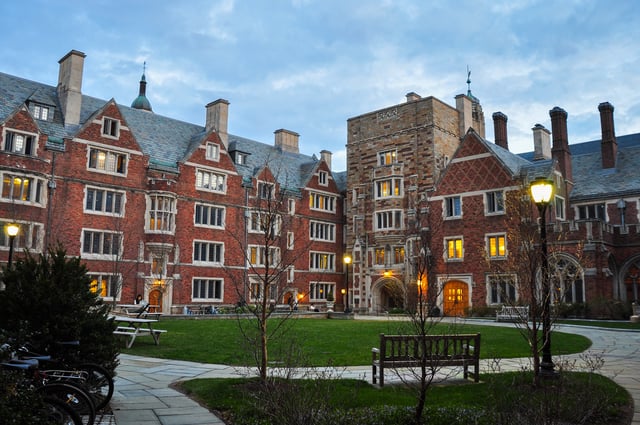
(218, 119)
(500, 129)
(70, 86)
(560, 150)
(609, 145)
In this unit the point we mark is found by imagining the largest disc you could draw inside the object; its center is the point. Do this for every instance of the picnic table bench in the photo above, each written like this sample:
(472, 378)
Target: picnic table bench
(407, 351)
(133, 327)
(512, 313)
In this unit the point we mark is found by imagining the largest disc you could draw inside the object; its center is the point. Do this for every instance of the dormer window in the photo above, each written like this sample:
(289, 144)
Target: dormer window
(110, 127)
(213, 152)
(241, 158)
(41, 112)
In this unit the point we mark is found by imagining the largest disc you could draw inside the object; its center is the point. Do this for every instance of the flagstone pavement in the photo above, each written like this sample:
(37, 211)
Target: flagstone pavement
(143, 393)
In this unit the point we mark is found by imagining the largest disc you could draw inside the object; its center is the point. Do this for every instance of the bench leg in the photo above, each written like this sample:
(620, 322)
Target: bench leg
(132, 338)
(373, 374)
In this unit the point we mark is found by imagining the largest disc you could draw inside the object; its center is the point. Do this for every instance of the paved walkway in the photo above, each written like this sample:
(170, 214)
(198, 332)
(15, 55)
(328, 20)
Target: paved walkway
(143, 395)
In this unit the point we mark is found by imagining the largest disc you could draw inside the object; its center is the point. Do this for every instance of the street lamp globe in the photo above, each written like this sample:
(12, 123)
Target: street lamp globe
(541, 190)
(12, 230)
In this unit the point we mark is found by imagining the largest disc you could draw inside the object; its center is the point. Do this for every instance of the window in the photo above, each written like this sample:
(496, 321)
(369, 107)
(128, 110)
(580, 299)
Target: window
(159, 266)
(19, 143)
(318, 291)
(106, 285)
(322, 178)
(21, 189)
(566, 280)
(209, 215)
(261, 222)
(321, 261)
(101, 243)
(379, 256)
(290, 240)
(388, 188)
(258, 255)
(41, 112)
(207, 289)
(387, 157)
(110, 127)
(207, 252)
(291, 273)
(452, 206)
(291, 206)
(265, 190)
(107, 161)
(494, 202)
(501, 289)
(103, 201)
(591, 212)
(161, 213)
(213, 152)
(241, 158)
(322, 202)
(559, 202)
(322, 231)
(389, 220)
(28, 236)
(497, 246)
(398, 255)
(208, 180)
(453, 248)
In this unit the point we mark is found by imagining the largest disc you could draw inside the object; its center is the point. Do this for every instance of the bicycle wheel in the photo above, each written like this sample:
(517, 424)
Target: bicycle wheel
(57, 412)
(99, 383)
(75, 397)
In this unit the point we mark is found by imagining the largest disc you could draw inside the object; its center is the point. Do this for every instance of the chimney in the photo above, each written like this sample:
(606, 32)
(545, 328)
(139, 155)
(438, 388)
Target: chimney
(500, 129)
(218, 119)
(560, 150)
(325, 155)
(287, 140)
(412, 96)
(609, 146)
(70, 86)
(541, 142)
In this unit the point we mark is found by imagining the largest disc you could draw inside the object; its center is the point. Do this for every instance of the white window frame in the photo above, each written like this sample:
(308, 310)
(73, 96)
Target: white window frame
(391, 187)
(32, 193)
(41, 112)
(322, 202)
(256, 224)
(493, 205)
(389, 220)
(318, 291)
(28, 145)
(495, 296)
(161, 212)
(110, 128)
(30, 236)
(256, 255)
(107, 161)
(212, 151)
(322, 231)
(96, 201)
(103, 281)
(323, 178)
(559, 206)
(213, 286)
(496, 236)
(387, 157)
(266, 190)
(322, 261)
(116, 244)
(209, 245)
(209, 210)
(452, 209)
(211, 181)
(446, 248)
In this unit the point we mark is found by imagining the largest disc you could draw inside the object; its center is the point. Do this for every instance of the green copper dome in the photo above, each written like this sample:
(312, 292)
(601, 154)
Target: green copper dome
(141, 102)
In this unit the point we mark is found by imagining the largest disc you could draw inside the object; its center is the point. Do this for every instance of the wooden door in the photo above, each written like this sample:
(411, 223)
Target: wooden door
(155, 298)
(456, 298)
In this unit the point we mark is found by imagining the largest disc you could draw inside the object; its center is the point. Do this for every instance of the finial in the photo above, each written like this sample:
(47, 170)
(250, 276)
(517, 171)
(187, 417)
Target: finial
(468, 81)
(144, 67)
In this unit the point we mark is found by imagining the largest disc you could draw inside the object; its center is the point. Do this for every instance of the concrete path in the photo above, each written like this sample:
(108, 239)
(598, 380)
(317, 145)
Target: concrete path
(143, 395)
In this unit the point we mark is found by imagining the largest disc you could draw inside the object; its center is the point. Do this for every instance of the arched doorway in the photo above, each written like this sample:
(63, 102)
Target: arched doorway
(155, 298)
(388, 294)
(456, 298)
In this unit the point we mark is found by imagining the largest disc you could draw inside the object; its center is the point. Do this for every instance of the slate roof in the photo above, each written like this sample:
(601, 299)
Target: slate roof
(167, 141)
(591, 182)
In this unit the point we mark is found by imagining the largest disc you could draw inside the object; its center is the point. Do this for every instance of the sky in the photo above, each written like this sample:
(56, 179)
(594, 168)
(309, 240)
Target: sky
(310, 65)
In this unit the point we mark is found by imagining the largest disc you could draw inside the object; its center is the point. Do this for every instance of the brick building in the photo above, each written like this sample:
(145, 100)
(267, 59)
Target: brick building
(167, 209)
(425, 157)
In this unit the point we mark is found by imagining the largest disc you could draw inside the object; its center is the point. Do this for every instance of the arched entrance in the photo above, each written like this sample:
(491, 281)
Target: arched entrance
(388, 294)
(456, 298)
(155, 298)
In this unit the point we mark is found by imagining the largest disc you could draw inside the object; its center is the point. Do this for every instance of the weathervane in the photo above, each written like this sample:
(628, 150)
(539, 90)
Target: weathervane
(468, 81)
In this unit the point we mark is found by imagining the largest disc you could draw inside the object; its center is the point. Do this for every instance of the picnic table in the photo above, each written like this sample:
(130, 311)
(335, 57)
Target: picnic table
(146, 311)
(133, 327)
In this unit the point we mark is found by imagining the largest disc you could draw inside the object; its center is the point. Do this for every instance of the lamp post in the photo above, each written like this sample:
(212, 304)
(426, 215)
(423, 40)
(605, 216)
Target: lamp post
(347, 261)
(12, 230)
(541, 192)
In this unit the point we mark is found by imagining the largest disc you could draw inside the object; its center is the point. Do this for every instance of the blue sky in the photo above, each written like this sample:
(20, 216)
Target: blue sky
(309, 65)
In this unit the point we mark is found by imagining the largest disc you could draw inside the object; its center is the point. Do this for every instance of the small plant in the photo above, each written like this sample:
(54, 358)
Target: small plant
(330, 296)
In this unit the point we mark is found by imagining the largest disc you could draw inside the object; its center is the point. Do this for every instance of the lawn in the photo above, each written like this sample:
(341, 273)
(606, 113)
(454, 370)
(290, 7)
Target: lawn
(339, 342)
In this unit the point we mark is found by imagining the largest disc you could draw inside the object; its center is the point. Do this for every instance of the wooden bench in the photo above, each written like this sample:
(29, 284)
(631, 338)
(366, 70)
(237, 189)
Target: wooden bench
(512, 313)
(409, 351)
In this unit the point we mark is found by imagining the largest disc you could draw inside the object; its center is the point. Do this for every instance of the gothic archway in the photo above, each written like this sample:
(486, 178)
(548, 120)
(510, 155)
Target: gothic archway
(387, 294)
